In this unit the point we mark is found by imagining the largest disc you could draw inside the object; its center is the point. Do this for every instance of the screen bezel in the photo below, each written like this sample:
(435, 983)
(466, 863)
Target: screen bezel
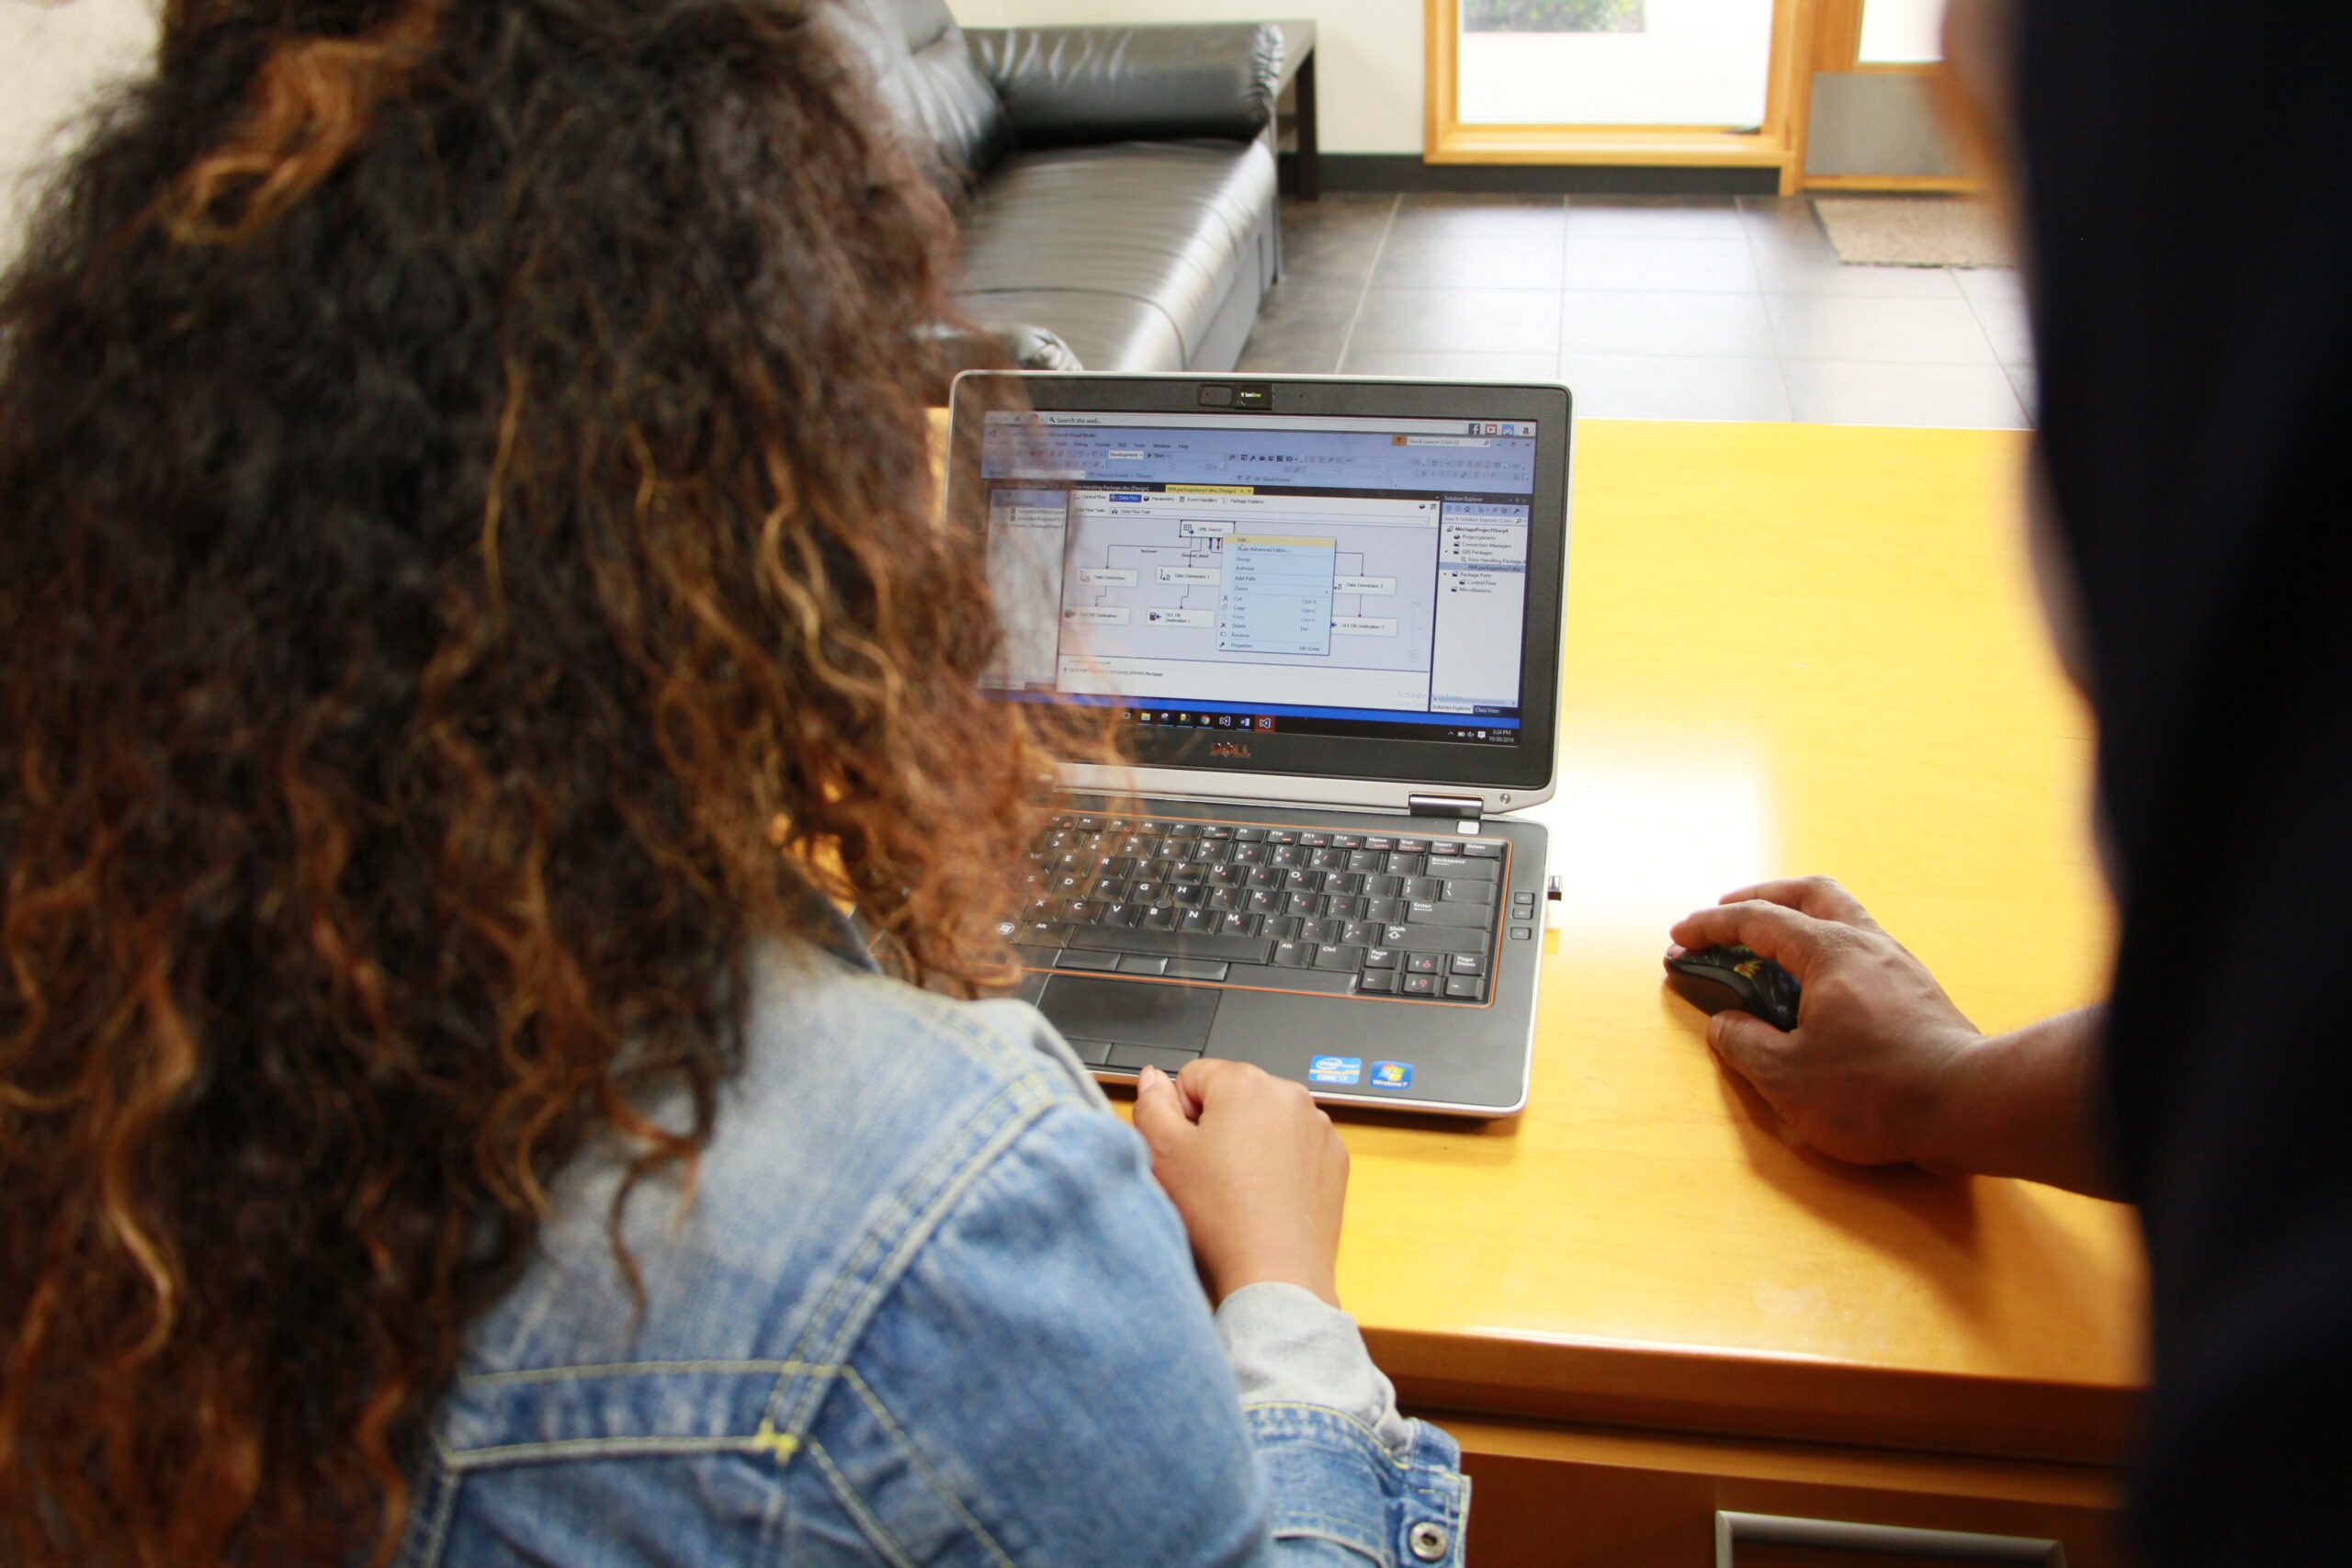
(1528, 766)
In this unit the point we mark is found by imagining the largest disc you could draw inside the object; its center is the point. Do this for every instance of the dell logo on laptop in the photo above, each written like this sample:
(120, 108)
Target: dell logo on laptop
(1230, 748)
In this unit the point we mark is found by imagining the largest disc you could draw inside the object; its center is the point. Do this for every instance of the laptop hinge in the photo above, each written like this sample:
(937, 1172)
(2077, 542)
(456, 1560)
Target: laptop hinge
(1467, 809)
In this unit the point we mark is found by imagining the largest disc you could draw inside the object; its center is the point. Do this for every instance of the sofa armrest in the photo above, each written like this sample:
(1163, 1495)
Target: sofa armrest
(953, 347)
(1065, 86)
(1027, 347)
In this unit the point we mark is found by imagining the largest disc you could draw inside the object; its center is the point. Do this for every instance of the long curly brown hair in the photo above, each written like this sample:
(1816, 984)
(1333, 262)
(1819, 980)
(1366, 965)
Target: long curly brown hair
(469, 528)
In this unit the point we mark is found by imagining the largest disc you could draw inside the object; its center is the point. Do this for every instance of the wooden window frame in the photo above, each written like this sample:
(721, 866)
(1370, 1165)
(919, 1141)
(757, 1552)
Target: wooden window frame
(1778, 144)
(1837, 50)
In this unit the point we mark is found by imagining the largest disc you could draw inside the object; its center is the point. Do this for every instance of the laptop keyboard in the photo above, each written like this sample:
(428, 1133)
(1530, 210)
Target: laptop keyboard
(1402, 918)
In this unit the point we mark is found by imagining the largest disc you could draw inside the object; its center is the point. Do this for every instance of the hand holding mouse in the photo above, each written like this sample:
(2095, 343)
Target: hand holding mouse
(1862, 1076)
(1256, 1169)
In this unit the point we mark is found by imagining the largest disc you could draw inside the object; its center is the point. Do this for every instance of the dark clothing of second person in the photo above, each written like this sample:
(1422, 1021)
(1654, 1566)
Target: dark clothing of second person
(2190, 213)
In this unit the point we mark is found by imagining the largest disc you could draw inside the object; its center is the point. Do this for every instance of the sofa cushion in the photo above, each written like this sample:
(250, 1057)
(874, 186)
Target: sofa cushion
(1126, 251)
(931, 83)
(1066, 86)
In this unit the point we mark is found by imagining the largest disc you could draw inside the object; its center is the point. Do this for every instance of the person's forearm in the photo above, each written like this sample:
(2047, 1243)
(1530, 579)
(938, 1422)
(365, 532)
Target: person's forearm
(1289, 1347)
(2026, 1104)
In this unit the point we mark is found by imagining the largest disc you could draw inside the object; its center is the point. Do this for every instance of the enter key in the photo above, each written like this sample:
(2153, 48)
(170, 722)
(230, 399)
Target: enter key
(1480, 915)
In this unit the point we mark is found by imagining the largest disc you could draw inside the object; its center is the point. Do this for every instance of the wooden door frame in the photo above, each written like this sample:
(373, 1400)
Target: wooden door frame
(1808, 36)
(1837, 50)
(1778, 144)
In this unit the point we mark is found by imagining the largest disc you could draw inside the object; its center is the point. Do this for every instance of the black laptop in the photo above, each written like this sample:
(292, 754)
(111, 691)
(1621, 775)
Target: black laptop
(1328, 613)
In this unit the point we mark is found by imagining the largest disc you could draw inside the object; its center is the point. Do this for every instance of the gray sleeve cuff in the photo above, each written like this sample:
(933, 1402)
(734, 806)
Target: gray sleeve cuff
(1288, 1347)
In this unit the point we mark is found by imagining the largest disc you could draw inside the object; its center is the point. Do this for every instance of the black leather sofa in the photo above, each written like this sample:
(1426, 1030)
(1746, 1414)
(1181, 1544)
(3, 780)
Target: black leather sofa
(1116, 185)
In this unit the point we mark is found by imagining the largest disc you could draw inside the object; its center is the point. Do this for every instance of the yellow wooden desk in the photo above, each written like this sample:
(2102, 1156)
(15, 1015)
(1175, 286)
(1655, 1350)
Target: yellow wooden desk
(1790, 648)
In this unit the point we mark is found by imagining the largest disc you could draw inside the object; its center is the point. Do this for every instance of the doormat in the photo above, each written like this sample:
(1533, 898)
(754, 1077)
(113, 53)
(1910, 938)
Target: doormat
(1915, 231)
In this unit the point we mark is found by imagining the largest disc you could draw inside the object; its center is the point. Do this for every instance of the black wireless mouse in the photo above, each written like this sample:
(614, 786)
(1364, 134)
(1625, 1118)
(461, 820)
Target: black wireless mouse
(1715, 979)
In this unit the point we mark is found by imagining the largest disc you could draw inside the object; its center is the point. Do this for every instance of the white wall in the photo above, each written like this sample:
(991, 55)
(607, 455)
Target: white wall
(1367, 53)
(54, 55)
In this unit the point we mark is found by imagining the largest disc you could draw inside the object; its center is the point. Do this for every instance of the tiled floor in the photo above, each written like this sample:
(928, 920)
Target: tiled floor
(1650, 307)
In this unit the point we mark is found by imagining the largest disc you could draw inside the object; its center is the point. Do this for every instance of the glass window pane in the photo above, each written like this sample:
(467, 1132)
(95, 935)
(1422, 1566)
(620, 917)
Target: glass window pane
(1697, 63)
(1902, 32)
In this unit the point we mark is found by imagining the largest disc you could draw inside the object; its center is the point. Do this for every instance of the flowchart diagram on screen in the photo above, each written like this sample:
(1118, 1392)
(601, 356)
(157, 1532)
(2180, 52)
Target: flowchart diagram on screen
(1345, 583)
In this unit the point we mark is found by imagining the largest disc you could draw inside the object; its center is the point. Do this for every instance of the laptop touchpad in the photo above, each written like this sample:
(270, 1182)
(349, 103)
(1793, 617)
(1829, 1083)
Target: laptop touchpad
(1131, 1013)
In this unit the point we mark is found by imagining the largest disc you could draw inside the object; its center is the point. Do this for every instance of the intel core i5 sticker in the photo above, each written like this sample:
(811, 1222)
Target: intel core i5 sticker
(1392, 1075)
(1335, 1069)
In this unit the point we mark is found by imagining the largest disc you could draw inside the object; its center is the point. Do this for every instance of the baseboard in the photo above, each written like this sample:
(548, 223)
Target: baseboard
(1405, 172)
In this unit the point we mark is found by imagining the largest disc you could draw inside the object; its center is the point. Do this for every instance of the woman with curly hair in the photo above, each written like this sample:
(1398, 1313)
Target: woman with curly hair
(473, 611)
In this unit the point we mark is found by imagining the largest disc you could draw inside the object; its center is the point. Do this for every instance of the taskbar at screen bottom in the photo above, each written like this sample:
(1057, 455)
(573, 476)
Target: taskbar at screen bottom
(1470, 731)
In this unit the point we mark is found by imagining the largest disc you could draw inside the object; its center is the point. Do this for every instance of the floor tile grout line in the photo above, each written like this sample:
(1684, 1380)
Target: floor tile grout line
(1992, 348)
(1993, 365)
(1348, 338)
(1771, 327)
(1756, 271)
(1560, 330)
(1985, 332)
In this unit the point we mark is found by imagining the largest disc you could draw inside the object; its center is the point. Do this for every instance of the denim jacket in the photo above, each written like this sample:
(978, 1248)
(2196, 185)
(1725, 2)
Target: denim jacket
(924, 1303)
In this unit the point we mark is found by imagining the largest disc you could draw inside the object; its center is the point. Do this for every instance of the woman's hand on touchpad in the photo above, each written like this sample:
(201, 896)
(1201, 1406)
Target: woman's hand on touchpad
(1256, 1169)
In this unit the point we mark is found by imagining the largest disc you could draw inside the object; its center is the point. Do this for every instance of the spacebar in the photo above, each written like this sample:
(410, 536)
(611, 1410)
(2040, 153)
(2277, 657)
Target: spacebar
(1175, 944)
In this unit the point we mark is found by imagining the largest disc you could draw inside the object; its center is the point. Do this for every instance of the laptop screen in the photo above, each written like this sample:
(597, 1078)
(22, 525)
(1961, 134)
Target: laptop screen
(1284, 574)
